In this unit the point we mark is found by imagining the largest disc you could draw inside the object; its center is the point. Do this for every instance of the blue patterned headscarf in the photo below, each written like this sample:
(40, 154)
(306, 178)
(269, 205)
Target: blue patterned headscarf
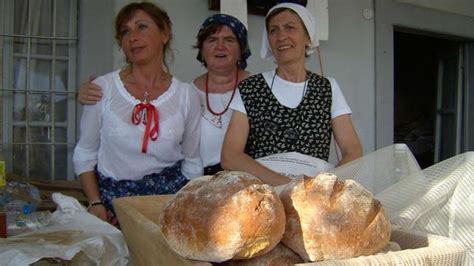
(237, 28)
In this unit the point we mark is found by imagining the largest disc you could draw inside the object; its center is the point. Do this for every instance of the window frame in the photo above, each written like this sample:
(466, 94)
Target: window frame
(7, 40)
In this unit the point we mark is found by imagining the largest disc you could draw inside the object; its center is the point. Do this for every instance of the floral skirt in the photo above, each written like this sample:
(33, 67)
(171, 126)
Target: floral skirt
(168, 181)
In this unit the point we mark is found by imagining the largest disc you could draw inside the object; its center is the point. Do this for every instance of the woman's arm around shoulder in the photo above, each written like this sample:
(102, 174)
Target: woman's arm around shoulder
(89, 93)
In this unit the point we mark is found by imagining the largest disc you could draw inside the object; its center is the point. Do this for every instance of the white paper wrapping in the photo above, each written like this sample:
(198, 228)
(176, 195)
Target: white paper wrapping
(294, 164)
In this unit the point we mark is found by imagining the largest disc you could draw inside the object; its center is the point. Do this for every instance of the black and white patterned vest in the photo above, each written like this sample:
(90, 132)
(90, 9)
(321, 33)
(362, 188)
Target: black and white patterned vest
(275, 128)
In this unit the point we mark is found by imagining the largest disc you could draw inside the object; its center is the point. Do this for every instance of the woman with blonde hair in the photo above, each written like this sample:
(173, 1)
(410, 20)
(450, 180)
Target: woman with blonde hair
(142, 137)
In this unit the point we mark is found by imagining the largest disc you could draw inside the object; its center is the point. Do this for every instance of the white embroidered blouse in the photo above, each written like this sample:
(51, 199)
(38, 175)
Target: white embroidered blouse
(110, 140)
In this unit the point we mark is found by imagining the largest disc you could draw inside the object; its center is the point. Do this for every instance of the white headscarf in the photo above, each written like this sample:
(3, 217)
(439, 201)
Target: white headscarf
(308, 21)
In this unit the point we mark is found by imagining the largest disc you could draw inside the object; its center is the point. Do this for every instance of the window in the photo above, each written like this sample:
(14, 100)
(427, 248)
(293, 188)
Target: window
(38, 46)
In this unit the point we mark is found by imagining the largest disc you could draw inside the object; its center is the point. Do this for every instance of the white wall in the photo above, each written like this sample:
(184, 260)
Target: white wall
(348, 56)
(461, 7)
(96, 41)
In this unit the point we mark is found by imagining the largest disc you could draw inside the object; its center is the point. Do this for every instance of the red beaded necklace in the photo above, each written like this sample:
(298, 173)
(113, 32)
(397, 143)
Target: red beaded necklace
(228, 104)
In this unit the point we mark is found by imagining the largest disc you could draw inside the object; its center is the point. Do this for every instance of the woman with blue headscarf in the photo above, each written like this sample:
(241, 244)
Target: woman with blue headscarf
(223, 51)
(289, 109)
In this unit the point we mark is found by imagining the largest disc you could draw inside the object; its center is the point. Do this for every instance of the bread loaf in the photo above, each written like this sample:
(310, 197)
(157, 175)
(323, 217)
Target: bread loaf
(331, 219)
(231, 215)
(279, 256)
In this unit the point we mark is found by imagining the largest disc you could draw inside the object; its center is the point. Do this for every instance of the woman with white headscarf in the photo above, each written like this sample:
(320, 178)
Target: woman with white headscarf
(289, 109)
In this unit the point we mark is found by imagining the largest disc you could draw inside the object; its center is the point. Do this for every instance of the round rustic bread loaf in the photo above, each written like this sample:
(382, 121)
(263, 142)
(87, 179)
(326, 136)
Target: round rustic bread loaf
(331, 219)
(231, 215)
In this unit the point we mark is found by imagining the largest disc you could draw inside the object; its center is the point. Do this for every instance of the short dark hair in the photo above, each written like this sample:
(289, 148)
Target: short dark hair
(207, 31)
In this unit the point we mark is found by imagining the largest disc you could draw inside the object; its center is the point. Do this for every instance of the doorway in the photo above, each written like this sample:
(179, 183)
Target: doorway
(428, 92)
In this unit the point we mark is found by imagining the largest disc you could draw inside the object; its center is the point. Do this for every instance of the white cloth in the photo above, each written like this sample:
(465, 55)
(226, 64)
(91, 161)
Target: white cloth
(294, 164)
(213, 127)
(290, 95)
(308, 21)
(111, 141)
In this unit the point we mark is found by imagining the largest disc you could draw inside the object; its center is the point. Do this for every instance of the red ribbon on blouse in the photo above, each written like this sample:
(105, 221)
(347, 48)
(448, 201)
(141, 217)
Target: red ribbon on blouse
(150, 118)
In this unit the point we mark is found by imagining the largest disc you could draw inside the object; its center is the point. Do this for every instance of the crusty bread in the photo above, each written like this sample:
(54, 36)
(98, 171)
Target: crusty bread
(231, 215)
(331, 219)
(279, 256)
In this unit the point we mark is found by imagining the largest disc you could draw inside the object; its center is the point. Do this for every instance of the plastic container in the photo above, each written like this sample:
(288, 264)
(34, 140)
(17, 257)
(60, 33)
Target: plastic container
(18, 201)
(19, 197)
(23, 223)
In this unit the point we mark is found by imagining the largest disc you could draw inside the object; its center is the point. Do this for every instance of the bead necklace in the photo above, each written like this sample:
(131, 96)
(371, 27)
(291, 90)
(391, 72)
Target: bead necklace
(228, 104)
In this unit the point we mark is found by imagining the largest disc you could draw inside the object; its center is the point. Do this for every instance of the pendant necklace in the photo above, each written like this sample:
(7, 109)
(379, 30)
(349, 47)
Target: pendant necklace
(304, 86)
(228, 104)
(147, 114)
(146, 94)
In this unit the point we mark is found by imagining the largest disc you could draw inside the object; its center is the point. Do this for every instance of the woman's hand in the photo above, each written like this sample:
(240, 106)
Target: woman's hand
(89, 93)
(91, 190)
(101, 212)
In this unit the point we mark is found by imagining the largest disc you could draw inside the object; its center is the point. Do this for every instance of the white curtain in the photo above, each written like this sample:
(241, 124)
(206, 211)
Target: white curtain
(39, 74)
(33, 109)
